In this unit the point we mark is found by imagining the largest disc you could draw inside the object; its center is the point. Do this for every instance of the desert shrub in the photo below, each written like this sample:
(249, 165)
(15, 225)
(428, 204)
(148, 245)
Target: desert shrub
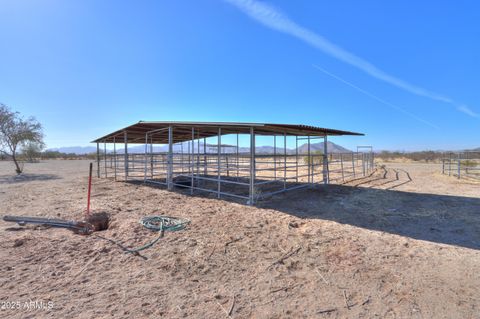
(315, 159)
(31, 152)
(91, 156)
(51, 155)
(17, 132)
(427, 156)
(470, 163)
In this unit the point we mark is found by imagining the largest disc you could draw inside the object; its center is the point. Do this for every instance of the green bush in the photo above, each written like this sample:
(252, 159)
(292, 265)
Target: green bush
(314, 159)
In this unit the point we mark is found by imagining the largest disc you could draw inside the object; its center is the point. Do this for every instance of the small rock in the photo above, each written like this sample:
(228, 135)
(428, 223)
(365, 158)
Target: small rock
(105, 250)
(292, 224)
(18, 242)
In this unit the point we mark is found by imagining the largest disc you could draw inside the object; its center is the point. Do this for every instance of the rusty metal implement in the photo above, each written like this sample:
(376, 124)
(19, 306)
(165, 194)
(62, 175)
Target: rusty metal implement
(82, 227)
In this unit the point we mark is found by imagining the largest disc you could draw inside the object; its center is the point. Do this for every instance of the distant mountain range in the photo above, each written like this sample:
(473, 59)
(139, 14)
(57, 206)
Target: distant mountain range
(331, 148)
(79, 150)
(303, 149)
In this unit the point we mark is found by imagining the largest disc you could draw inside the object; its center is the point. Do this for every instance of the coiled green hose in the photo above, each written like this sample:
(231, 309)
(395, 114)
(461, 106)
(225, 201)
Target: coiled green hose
(159, 224)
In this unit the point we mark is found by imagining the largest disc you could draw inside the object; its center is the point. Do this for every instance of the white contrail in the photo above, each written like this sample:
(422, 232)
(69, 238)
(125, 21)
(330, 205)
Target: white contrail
(274, 19)
(373, 96)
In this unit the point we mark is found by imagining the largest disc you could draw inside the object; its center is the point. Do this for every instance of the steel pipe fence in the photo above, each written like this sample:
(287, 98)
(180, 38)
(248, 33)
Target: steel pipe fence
(462, 164)
(207, 165)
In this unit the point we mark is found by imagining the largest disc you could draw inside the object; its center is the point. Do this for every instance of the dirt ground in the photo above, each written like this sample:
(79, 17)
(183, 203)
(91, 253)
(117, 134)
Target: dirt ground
(402, 243)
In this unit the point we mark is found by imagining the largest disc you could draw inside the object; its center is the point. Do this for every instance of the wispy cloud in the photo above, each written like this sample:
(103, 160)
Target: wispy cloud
(276, 20)
(465, 109)
(373, 96)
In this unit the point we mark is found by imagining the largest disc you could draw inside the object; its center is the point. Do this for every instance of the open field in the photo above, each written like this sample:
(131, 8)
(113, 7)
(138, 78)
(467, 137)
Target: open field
(401, 243)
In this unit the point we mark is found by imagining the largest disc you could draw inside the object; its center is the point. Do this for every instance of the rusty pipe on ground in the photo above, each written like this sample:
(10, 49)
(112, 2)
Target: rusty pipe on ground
(78, 227)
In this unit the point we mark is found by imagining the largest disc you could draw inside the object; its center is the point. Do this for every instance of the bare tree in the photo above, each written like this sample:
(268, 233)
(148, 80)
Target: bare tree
(31, 151)
(15, 132)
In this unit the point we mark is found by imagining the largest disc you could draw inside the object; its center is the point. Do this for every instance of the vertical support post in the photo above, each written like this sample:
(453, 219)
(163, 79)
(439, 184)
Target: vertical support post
(353, 164)
(363, 163)
(310, 179)
(198, 156)
(105, 158)
(459, 166)
(192, 163)
(443, 163)
(228, 167)
(296, 158)
(87, 214)
(238, 162)
(219, 151)
(98, 160)
(205, 156)
(274, 157)
(145, 160)
(341, 166)
(367, 160)
(189, 160)
(125, 154)
(170, 159)
(373, 160)
(252, 167)
(181, 157)
(449, 164)
(284, 160)
(326, 174)
(151, 157)
(115, 157)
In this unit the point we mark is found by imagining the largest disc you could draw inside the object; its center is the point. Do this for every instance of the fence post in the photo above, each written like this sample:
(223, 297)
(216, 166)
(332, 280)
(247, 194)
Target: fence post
(363, 164)
(284, 160)
(309, 159)
(237, 159)
(205, 156)
(325, 161)
(296, 159)
(353, 163)
(458, 165)
(341, 165)
(252, 167)
(115, 157)
(192, 163)
(146, 157)
(219, 149)
(274, 157)
(443, 165)
(125, 141)
(228, 168)
(151, 157)
(450, 164)
(170, 159)
(373, 160)
(98, 160)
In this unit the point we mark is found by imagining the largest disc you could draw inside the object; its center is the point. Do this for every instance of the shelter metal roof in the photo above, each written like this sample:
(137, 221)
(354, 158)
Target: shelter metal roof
(182, 131)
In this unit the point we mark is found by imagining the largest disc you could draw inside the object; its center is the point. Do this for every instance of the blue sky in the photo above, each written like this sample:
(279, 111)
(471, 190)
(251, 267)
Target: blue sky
(405, 73)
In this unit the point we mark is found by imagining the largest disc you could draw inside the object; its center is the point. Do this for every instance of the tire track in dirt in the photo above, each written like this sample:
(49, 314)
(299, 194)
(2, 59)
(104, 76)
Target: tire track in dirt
(390, 176)
(364, 179)
(406, 178)
(382, 178)
(394, 178)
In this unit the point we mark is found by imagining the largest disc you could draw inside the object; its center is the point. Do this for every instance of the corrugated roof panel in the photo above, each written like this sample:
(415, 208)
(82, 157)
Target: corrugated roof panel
(182, 131)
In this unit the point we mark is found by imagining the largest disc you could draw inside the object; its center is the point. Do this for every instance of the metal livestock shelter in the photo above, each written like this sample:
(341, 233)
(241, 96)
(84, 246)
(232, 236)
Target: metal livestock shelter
(196, 156)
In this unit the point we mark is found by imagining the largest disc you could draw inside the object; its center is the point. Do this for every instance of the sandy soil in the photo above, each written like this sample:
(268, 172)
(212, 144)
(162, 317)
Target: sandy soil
(402, 243)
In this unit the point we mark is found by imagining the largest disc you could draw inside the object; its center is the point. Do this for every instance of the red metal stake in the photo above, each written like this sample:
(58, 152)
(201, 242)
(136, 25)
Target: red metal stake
(89, 189)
